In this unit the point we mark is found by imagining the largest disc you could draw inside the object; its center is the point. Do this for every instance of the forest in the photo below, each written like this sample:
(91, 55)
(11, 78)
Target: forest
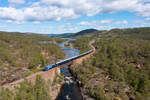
(28, 91)
(23, 54)
(82, 44)
(120, 68)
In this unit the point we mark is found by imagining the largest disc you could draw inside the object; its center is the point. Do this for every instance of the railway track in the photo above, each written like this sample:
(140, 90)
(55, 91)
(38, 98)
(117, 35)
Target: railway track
(45, 74)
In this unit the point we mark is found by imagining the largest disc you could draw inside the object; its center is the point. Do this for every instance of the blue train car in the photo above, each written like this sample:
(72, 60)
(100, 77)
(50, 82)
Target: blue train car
(46, 68)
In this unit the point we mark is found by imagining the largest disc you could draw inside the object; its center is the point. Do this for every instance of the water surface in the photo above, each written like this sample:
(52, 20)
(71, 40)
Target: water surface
(70, 90)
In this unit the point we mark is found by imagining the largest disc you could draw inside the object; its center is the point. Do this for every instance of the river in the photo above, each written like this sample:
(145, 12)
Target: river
(70, 90)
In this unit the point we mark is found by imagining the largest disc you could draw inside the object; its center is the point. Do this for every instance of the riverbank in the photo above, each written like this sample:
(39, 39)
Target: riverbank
(67, 88)
(70, 89)
(76, 77)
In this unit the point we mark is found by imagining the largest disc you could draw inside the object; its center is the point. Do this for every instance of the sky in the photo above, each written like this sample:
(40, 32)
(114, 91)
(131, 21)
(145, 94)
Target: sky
(69, 16)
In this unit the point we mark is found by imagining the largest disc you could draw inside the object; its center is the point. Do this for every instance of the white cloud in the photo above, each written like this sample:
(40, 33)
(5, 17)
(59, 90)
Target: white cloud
(15, 22)
(140, 22)
(144, 10)
(96, 24)
(93, 23)
(69, 9)
(81, 7)
(118, 23)
(16, 1)
(48, 13)
(13, 14)
(148, 18)
(9, 21)
(90, 7)
(124, 22)
(1, 27)
(84, 23)
(36, 22)
(107, 21)
(36, 14)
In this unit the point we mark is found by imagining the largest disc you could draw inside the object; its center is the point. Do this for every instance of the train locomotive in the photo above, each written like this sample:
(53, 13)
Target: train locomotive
(46, 68)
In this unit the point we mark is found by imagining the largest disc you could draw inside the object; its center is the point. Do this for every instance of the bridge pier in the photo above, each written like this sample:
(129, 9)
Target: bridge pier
(50, 74)
(57, 70)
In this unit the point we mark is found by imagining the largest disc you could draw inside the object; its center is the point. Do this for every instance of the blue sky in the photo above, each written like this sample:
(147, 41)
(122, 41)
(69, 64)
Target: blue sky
(67, 16)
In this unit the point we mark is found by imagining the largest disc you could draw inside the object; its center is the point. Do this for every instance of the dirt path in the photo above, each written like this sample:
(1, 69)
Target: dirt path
(94, 50)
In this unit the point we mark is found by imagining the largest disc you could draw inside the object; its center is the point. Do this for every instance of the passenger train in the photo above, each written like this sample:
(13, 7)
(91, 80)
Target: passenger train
(46, 68)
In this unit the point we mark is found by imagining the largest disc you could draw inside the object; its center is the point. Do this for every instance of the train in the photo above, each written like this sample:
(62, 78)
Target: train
(46, 68)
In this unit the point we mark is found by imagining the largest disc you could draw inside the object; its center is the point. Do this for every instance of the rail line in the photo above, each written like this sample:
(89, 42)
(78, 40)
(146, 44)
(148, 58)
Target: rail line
(62, 62)
(50, 69)
(46, 68)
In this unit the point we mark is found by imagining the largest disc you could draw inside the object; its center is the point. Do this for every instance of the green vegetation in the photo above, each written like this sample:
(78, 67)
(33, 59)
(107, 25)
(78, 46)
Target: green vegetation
(27, 91)
(138, 33)
(81, 44)
(58, 79)
(120, 68)
(73, 35)
(21, 53)
(67, 45)
(31, 72)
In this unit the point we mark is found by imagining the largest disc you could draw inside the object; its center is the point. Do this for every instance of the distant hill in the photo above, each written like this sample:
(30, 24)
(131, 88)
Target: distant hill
(61, 35)
(86, 31)
(122, 54)
(134, 32)
(140, 33)
(67, 35)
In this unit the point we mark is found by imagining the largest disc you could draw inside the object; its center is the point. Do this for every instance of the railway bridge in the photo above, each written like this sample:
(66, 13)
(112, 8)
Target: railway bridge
(49, 72)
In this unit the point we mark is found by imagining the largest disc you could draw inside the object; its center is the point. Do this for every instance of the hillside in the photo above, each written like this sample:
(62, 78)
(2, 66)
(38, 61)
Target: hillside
(63, 35)
(119, 70)
(84, 32)
(69, 35)
(23, 54)
(141, 33)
